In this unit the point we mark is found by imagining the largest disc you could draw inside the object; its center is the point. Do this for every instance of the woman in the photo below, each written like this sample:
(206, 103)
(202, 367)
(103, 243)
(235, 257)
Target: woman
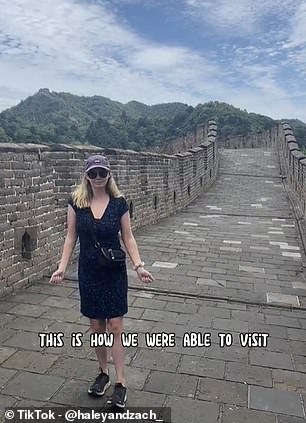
(96, 205)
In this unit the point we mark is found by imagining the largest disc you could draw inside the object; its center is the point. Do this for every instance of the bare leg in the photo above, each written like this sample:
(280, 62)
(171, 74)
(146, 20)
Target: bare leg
(99, 326)
(115, 326)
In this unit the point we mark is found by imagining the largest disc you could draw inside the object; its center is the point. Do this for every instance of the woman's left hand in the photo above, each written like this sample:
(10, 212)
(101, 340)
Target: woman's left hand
(144, 275)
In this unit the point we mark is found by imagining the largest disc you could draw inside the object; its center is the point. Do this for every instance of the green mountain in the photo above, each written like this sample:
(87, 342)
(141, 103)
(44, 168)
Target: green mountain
(50, 117)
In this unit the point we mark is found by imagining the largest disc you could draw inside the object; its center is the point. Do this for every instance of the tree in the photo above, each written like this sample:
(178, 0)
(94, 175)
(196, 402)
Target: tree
(4, 137)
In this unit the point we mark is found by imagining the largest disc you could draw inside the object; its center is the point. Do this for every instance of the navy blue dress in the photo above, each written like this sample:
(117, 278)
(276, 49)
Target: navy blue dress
(103, 293)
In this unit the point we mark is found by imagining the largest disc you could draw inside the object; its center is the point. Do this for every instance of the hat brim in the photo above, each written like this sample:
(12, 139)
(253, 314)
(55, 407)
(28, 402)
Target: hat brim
(95, 166)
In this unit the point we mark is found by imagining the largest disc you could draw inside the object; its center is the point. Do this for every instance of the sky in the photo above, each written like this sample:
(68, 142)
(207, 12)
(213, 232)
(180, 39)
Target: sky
(251, 54)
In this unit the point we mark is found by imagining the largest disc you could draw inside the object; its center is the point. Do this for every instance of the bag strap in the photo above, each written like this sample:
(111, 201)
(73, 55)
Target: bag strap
(91, 228)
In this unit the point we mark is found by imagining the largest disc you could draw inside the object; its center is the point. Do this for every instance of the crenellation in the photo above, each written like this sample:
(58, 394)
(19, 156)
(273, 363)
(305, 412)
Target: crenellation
(37, 180)
(292, 162)
(290, 138)
(193, 138)
(292, 146)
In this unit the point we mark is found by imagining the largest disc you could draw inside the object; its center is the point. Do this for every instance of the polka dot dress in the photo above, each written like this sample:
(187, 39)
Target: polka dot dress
(103, 292)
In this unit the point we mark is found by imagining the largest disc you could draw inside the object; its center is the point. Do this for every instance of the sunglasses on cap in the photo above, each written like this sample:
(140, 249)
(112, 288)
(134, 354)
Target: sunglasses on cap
(93, 173)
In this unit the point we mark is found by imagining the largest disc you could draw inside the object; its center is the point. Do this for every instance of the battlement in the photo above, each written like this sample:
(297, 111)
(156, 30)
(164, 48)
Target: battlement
(36, 181)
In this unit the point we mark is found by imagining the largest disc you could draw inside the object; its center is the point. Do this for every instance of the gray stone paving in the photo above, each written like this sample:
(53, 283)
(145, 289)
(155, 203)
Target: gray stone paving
(222, 272)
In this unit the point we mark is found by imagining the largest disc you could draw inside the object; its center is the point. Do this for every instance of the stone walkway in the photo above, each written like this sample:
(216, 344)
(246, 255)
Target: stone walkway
(229, 263)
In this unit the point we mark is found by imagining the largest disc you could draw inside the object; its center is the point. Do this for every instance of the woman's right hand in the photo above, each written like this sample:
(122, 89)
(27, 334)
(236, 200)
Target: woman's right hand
(57, 277)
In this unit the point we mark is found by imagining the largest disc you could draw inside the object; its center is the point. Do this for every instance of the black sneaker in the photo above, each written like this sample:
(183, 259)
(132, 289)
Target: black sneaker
(118, 398)
(101, 383)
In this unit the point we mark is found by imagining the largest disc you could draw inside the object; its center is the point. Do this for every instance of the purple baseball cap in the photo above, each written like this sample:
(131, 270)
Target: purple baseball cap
(97, 161)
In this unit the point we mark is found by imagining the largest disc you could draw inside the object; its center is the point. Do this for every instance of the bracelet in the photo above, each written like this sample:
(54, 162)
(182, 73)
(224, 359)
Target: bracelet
(136, 266)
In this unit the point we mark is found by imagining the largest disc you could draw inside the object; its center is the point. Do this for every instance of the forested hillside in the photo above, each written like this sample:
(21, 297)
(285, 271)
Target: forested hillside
(50, 117)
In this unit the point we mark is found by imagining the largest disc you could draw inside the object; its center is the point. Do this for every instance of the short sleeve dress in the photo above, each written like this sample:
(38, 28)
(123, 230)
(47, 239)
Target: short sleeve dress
(103, 293)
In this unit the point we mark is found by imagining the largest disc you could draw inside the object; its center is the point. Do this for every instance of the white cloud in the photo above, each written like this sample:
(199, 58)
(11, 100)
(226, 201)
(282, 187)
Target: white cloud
(84, 48)
(158, 57)
(240, 17)
(297, 36)
(88, 51)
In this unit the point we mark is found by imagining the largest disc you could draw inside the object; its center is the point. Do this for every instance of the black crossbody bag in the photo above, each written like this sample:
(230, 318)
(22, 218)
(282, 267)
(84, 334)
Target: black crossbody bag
(108, 257)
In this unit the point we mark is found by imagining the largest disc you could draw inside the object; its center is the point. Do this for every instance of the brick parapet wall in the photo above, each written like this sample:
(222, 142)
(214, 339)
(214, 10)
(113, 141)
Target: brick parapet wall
(36, 180)
(293, 167)
(260, 139)
(192, 139)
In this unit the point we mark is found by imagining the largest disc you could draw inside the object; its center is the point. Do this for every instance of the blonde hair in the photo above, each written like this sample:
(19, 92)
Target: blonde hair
(82, 194)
